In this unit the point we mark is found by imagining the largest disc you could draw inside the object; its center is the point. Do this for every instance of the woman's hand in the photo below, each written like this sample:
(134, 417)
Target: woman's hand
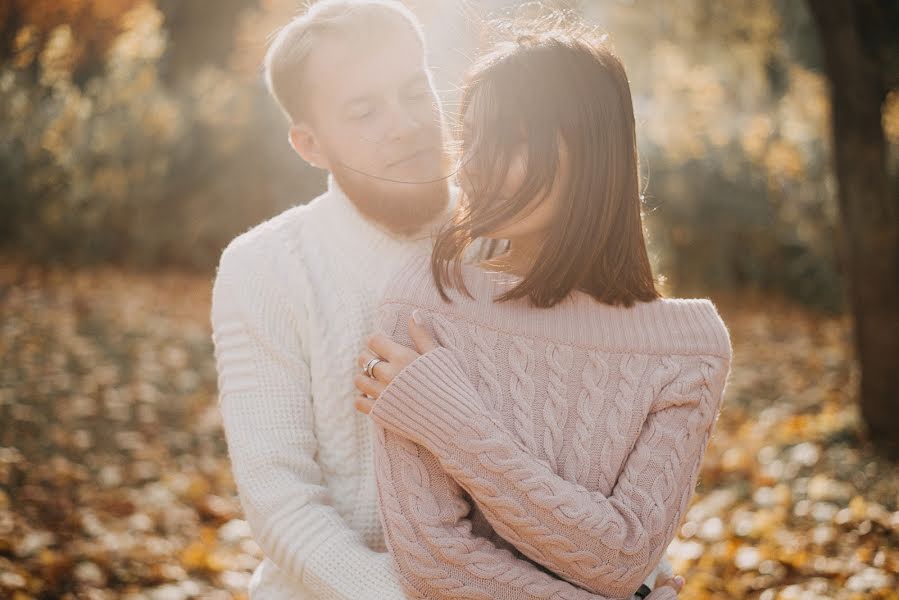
(394, 358)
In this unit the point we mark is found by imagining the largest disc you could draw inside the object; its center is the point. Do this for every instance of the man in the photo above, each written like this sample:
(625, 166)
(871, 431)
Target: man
(295, 296)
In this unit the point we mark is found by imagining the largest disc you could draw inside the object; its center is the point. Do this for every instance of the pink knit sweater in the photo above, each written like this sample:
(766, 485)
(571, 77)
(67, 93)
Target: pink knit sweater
(577, 431)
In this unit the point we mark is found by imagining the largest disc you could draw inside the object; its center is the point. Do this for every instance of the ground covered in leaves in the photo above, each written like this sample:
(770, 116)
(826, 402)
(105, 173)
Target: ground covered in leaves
(115, 483)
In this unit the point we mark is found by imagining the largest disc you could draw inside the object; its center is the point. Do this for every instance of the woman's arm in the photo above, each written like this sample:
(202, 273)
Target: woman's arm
(605, 544)
(435, 553)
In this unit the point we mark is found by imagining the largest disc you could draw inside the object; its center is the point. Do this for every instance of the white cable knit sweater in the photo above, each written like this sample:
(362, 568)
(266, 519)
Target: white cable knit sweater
(292, 302)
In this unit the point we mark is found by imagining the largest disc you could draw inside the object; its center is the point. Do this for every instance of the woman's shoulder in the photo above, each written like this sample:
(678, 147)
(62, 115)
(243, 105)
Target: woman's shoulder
(666, 326)
(686, 326)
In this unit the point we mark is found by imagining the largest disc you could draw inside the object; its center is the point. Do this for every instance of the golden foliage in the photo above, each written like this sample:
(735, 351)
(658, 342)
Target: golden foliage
(891, 117)
(91, 26)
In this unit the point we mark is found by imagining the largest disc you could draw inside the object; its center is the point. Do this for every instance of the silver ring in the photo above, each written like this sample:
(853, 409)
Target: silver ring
(369, 369)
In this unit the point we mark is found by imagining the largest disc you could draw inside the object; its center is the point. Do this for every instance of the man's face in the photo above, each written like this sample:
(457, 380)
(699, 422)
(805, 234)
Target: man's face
(375, 115)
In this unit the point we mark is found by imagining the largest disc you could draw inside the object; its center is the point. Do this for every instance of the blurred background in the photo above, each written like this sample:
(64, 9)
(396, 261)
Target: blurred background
(137, 139)
(139, 132)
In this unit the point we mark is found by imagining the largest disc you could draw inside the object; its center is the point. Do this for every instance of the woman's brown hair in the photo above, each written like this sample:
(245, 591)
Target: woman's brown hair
(544, 88)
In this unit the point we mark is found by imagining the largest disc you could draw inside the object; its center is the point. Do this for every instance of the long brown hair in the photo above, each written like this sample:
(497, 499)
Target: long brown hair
(540, 89)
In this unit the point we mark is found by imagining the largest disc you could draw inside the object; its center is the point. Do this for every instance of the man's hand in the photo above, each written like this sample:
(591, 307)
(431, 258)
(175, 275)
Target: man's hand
(675, 582)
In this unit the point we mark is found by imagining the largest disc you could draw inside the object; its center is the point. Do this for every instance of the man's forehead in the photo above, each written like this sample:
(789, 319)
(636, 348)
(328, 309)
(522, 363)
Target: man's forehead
(351, 67)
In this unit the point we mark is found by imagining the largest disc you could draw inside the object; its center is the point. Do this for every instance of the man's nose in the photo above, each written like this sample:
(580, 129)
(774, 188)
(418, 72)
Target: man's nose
(404, 122)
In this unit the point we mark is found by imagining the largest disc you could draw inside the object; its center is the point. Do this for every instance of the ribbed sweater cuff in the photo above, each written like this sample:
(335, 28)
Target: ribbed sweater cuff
(428, 401)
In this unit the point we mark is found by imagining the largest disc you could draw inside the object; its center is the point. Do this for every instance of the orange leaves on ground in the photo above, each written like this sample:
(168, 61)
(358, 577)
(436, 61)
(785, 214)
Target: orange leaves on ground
(115, 481)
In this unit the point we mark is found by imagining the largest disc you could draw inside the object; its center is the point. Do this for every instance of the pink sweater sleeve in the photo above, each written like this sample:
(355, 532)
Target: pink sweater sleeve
(435, 553)
(605, 544)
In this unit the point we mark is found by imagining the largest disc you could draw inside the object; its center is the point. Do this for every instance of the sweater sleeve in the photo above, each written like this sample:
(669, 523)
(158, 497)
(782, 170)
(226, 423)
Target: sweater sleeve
(607, 544)
(264, 399)
(435, 553)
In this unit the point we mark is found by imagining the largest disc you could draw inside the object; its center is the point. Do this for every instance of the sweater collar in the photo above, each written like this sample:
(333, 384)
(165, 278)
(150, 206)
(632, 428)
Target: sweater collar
(664, 325)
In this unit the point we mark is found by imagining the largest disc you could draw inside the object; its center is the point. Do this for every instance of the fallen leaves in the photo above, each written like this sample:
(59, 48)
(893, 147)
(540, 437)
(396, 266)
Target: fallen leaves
(114, 478)
(792, 501)
(115, 481)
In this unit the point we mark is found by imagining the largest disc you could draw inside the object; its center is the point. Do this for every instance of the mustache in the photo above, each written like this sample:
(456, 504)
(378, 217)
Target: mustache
(415, 154)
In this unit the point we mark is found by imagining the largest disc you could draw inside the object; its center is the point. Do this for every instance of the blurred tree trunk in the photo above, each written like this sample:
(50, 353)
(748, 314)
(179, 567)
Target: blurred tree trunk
(860, 56)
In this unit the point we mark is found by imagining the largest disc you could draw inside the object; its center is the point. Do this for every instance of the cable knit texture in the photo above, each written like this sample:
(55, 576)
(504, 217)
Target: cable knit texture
(292, 302)
(576, 433)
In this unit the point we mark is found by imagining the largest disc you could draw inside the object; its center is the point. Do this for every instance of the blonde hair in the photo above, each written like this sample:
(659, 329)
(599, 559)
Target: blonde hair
(294, 42)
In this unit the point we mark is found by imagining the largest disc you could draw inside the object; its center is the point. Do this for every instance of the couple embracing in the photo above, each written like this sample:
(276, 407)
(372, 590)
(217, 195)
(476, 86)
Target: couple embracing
(451, 375)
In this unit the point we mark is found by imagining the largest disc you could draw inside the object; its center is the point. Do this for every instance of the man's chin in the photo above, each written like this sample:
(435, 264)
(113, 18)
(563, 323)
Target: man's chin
(415, 178)
(403, 208)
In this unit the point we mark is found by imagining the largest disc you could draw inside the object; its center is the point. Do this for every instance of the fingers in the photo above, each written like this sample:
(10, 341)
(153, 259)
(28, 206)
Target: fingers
(385, 347)
(383, 371)
(395, 355)
(421, 337)
(363, 404)
(365, 356)
(670, 579)
(368, 386)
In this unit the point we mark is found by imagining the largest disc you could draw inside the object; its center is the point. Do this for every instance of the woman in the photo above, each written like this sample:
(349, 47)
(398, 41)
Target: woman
(552, 385)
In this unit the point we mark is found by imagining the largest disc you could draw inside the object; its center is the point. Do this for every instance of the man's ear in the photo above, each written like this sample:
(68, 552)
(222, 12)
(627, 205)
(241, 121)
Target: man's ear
(305, 143)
